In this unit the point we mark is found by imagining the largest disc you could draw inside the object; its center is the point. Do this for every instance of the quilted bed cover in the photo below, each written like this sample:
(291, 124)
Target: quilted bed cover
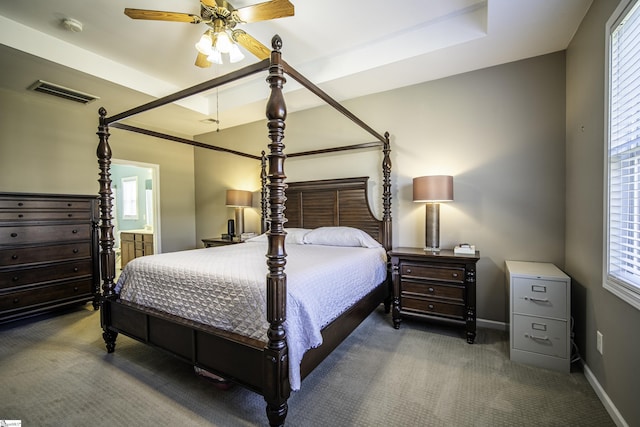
(225, 287)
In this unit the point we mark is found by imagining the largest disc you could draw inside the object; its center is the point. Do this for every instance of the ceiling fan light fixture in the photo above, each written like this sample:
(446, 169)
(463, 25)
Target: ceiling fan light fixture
(222, 42)
(215, 57)
(204, 46)
(235, 55)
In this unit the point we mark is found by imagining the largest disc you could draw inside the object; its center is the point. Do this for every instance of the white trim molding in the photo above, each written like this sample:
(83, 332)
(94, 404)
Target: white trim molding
(615, 415)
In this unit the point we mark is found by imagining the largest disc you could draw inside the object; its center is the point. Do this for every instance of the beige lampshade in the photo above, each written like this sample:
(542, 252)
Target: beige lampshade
(434, 188)
(239, 198)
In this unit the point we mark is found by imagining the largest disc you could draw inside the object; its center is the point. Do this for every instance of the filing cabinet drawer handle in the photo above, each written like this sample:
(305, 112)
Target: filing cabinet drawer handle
(536, 338)
(536, 299)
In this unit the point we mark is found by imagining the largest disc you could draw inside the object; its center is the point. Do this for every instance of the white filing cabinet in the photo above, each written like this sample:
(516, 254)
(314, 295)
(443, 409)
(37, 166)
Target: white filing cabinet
(539, 314)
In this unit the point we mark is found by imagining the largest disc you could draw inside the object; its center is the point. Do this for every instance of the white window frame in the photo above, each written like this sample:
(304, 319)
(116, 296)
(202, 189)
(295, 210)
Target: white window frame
(130, 197)
(617, 278)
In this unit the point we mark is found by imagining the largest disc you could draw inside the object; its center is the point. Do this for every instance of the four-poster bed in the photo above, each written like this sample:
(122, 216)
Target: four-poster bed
(261, 365)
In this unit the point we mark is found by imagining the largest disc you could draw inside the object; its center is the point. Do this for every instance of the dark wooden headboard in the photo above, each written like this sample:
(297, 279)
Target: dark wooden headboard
(332, 202)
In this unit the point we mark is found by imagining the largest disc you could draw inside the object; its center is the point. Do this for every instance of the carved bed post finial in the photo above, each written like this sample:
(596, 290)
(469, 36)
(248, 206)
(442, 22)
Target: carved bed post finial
(386, 192)
(107, 255)
(276, 385)
(264, 203)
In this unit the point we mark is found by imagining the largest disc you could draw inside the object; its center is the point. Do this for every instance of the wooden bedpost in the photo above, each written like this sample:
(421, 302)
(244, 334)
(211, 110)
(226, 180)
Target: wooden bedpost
(264, 203)
(107, 255)
(386, 193)
(276, 362)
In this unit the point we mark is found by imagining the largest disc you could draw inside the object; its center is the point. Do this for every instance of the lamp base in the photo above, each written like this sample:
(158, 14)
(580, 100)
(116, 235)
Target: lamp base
(429, 249)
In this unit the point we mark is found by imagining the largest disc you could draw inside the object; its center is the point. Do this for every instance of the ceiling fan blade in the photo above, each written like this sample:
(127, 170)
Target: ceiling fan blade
(251, 44)
(263, 11)
(210, 3)
(201, 61)
(158, 15)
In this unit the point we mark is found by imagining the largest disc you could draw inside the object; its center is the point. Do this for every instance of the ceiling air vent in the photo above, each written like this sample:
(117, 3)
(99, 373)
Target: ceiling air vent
(62, 92)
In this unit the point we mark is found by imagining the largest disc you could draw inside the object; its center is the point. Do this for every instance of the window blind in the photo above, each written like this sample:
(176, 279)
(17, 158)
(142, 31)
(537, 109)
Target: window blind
(623, 255)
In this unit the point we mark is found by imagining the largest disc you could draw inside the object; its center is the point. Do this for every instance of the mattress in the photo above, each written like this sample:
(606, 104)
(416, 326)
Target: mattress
(225, 287)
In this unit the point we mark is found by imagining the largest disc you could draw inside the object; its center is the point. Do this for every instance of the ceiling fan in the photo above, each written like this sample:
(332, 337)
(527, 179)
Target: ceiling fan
(222, 35)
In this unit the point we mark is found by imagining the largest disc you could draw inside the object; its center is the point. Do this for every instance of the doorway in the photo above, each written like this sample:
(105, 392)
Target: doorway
(136, 201)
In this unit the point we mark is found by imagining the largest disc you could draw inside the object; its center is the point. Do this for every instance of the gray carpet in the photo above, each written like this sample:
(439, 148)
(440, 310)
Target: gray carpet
(54, 371)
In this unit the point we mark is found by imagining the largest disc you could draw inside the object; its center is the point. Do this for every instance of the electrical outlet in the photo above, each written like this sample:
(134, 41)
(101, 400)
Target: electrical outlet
(599, 341)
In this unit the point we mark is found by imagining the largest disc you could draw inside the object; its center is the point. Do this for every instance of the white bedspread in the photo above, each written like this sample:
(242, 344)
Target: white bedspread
(226, 287)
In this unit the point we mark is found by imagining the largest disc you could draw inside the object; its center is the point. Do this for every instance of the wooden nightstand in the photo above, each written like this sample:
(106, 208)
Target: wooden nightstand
(438, 286)
(219, 241)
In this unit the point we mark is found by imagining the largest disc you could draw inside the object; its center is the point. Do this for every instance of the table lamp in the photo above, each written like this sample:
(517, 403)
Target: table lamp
(433, 190)
(239, 199)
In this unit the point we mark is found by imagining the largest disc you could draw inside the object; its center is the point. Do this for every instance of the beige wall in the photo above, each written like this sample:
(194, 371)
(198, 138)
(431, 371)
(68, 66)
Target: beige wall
(48, 145)
(499, 131)
(594, 308)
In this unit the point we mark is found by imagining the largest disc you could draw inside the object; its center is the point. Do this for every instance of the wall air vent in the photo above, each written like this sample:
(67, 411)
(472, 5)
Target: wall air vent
(62, 92)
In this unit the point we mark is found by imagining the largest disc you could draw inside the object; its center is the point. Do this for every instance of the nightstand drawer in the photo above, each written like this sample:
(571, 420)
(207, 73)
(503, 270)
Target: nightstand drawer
(426, 306)
(448, 274)
(540, 335)
(538, 297)
(448, 292)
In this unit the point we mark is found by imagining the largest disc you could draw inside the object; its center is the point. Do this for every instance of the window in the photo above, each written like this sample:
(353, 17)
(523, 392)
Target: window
(622, 255)
(130, 197)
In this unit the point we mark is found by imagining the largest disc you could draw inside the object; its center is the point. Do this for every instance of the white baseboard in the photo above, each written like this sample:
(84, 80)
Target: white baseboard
(492, 324)
(604, 398)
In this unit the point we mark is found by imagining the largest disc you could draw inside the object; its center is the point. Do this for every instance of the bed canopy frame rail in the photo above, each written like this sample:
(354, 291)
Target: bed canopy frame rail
(275, 367)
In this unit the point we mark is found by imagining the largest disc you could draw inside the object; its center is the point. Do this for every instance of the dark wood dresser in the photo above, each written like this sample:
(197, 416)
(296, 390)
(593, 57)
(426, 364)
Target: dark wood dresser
(436, 286)
(48, 253)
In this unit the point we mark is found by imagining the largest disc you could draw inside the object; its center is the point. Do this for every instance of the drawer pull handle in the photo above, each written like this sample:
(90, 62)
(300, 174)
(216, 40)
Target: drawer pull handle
(409, 270)
(455, 275)
(14, 234)
(14, 256)
(431, 290)
(20, 204)
(69, 204)
(430, 306)
(537, 338)
(20, 215)
(15, 278)
(75, 250)
(75, 269)
(69, 215)
(536, 299)
(75, 289)
(16, 300)
(75, 231)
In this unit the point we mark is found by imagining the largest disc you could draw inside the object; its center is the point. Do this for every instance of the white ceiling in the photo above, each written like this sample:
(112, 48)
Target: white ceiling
(349, 47)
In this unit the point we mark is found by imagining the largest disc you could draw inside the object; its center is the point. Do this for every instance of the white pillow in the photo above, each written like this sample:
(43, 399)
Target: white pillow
(340, 236)
(294, 236)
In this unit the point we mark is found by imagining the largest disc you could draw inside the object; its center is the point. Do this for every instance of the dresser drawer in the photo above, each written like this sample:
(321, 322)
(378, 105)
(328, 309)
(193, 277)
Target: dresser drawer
(540, 335)
(46, 295)
(45, 233)
(19, 203)
(430, 307)
(448, 292)
(27, 276)
(17, 256)
(538, 297)
(43, 215)
(448, 274)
